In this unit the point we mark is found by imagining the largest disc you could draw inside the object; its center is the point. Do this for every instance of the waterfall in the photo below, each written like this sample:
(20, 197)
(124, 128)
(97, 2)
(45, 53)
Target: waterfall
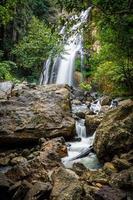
(80, 128)
(62, 69)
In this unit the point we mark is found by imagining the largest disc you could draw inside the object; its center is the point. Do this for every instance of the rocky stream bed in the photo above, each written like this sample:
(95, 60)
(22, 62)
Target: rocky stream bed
(36, 122)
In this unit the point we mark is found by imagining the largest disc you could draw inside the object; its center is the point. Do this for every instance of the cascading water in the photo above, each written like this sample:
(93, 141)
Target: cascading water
(61, 71)
(80, 151)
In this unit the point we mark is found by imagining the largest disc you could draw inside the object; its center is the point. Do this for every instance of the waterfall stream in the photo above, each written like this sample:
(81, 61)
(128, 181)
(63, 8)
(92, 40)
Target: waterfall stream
(61, 70)
(80, 151)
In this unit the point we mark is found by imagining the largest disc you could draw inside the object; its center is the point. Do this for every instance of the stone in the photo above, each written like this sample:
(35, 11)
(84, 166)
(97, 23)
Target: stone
(31, 113)
(66, 185)
(108, 193)
(123, 179)
(21, 190)
(121, 163)
(37, 168)
(4, 161)
(18, 160)
(39, 191)
(105, 100)
(92, 122)
(114, 134)
(5, 183)
(79, 168)
(109, 168)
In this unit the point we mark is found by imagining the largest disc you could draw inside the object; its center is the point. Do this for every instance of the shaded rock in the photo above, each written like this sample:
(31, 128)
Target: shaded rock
(21, 190)
(123, 179)
(105, 100)
(79, 168)
(108, 193)
(31, 114)
(109, 168)
(94, 177)
(4, 161)
(66, 185)
(92, 122)
(18, 160)
(4, 186)
(36, 169)
(121, 163)
(39, 191)
(115, 133)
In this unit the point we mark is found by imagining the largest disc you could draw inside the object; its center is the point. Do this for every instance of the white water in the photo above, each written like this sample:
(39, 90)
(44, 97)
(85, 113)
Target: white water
(75, 148)
(66, 66)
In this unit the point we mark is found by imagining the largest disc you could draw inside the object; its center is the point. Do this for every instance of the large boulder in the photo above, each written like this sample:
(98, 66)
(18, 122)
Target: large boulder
(115, 133)
(92, 122)
(66, 185)
(34, 112)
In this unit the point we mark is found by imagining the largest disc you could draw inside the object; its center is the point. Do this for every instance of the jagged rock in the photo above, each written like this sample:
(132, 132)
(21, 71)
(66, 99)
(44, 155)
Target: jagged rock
(115, 133)
(36, 169)
(66, 185)
(108, 193)
(109, 168)
(18, 160)
(39, 191)
(105, 100)
(21, 190)
(4, 161)
(5, 183)
(92, 122)
(32, 113)
(79, 168)
(123, 179)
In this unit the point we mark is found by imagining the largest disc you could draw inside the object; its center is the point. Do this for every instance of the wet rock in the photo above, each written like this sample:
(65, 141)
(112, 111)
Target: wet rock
(114, 134)
(66, 185)
(32, 114)
(108, 193)
(39, 191)
(92, 122)
(79, 168)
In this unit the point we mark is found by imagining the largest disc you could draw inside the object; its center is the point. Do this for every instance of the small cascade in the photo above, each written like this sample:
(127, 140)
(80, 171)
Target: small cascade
(81, 150)
(62, 69)
(80, 128)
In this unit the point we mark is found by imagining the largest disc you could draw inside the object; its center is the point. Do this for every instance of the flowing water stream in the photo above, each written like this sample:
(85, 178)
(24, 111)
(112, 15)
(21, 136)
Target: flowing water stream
(80, 151)
(61, 71)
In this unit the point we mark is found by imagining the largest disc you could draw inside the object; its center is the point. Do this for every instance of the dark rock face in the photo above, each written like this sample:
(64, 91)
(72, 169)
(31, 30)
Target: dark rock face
(115, 133)
(32, 113)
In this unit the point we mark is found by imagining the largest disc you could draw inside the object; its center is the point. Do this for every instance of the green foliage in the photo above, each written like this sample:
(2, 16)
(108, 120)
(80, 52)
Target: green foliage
(112, 66)
(36, 46)
(85, 86)
(6, 68)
